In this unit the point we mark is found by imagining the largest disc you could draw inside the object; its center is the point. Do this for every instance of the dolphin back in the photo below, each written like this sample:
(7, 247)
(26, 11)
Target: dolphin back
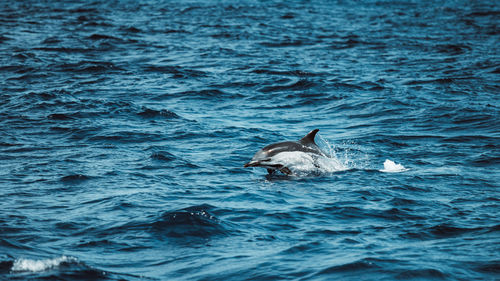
(308, 140)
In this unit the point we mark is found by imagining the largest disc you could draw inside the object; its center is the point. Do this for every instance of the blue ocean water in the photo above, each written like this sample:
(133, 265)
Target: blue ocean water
(124, 127)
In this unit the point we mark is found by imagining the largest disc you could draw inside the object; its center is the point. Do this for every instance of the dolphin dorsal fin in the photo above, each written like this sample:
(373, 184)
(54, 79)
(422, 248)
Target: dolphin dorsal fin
(309, 138)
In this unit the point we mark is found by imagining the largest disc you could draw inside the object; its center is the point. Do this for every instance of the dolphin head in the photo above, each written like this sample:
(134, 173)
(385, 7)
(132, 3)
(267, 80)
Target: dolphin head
(260, 158)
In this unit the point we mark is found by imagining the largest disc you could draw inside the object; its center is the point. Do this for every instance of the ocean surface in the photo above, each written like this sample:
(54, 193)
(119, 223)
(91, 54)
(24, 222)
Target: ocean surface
(125, 125)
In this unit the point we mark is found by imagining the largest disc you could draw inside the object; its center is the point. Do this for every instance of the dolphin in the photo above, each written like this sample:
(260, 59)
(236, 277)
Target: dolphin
(266, 157)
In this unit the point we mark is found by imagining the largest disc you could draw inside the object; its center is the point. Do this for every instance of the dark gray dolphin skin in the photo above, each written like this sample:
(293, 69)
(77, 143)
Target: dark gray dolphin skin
(264, 157)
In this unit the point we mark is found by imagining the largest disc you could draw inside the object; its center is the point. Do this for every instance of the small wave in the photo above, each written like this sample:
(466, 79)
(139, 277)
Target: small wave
(453, 49)
(59, 116)
(151, 113)
(350, 212)
(486, 159)
(206, 94)
(89, 22)
(426, 273)
(24, 56)
(126, 137)
(64, 49)
(302, 84)
(195, 221)
(298, 73)
(45, 96)
(95, 243)
(12, 243)
(85, 10)
(163, 156)
(302, 248)
(285, 43)
(489, 267)
(8, 144)
(360, 265)
(16, 68)
(89, 67)
(51, 40)
(132, 29)
(391, 167)
(29, 265)
(349, 43)
(430, 81)
(27, 77)
(74, 178)
(443, 231)
(176, 71)
(167, 31)
(397, 201)
(96, 37)
(4, 38)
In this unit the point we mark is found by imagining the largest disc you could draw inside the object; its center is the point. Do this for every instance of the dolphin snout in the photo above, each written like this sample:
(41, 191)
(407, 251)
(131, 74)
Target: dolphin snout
(251, 164)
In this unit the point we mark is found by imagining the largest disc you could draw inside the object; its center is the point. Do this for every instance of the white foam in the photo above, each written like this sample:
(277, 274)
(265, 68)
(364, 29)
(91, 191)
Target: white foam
(392, 167)
(330, 165)
(39, 265)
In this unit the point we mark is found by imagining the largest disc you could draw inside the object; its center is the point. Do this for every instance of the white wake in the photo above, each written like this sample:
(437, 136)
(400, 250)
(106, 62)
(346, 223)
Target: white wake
(39, 265)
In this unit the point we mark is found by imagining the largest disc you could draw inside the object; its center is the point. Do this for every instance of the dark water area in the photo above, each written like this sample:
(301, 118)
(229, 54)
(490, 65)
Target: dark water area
(124, 127)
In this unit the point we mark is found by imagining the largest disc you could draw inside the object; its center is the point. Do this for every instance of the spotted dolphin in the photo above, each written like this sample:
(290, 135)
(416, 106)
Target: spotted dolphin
(268, 157)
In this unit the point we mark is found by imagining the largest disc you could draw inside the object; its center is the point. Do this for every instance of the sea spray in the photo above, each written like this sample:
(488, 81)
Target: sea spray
(30, 265)
(392, 167)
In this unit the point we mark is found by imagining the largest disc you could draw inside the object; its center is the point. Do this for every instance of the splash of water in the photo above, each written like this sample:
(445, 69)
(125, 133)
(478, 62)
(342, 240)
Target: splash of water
(39, 265)
(392, 167)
